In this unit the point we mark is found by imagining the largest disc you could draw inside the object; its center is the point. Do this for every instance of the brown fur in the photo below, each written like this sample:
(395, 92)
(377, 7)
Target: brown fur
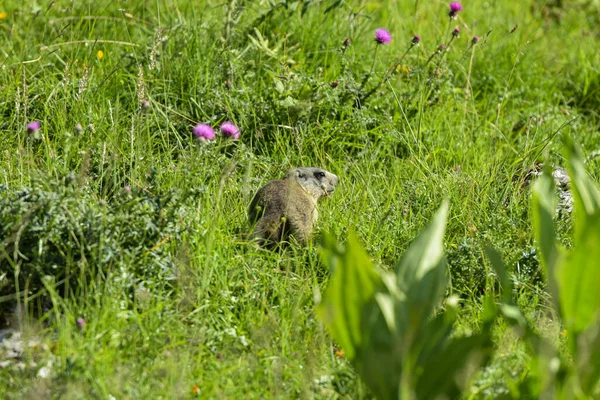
(288, 207)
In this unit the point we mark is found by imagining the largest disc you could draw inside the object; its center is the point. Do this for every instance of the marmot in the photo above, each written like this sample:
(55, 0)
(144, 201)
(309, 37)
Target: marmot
(288, 207)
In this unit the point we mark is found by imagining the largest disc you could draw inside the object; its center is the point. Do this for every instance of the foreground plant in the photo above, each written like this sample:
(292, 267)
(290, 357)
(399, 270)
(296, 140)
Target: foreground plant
(387, 323)
(573, 277)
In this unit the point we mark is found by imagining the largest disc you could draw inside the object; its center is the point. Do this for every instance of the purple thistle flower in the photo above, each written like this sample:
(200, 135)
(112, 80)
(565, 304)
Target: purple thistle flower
(416, 39)
(229, 129)
(441, 47)
(204, 132)
(455, 7)
(475, 39)
(81, 323)
(382, 36)
(127, 188)
(456, 32)
(33, 126)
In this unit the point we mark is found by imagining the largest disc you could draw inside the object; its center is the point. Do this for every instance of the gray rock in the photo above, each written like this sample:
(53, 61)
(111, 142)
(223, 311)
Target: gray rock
(562, 182)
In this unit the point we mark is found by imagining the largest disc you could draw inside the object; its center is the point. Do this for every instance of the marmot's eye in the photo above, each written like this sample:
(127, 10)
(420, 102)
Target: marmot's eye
(320, 174)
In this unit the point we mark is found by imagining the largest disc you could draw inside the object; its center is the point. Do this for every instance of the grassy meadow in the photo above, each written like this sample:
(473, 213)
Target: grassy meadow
(123, 236)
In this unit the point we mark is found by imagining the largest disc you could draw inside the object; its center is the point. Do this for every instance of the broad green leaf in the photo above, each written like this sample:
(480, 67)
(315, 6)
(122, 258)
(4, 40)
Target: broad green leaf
(387, 307)
(490, 310)
(351, 288)
(585, 190)
(579, 275)
(544, 207)
(498, 265)
(389, 300)
(547, 373)
(379, 359)
(421, 272)
(447, 361)
(579, 279)
(447, 373)
(383, 320)
(587, 358)
(431, 338)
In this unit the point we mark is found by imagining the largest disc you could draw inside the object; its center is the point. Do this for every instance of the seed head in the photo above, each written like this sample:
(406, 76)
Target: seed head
(416, 39)
(456, 32)
(204, 132)
(346, 43)
(382, 36)
(441, 48)
(475, 39)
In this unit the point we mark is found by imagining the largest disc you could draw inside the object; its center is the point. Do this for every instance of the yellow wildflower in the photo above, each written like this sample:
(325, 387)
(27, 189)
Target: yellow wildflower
(3, 14)
(100, 54)
(402, 68)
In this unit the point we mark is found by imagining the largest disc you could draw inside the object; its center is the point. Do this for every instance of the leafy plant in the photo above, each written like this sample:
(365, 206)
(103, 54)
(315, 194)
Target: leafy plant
(55, 231)
(387, 323)
(573, 277)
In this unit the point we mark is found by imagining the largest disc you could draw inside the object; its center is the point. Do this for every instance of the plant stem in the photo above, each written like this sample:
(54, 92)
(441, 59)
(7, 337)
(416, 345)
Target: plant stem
(364, 82)
(387, 75)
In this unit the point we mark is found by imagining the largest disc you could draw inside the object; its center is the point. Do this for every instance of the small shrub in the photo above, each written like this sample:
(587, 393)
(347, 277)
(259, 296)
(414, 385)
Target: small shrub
(53, 232)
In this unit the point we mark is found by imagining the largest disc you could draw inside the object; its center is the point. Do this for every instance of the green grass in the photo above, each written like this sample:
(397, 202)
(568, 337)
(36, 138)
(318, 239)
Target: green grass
(239, 321)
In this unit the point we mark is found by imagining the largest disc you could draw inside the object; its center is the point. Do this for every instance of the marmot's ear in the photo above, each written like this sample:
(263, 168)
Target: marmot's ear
(300, 175)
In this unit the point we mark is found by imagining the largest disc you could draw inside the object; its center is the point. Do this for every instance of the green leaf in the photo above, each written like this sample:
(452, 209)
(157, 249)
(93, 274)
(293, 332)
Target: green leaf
(425, 253)
(351, 289)
(379, 359)
(421, 273)
(579, 275)
(544, 208)
(512, 313)
(579, 279)
(490, 310)
(588, 358)
(447, 373)
(387, 307)
(585, 190)
(451, 361)
(498, 265)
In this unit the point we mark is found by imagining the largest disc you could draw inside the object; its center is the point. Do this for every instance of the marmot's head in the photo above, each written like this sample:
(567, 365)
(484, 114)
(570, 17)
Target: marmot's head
(316, 181)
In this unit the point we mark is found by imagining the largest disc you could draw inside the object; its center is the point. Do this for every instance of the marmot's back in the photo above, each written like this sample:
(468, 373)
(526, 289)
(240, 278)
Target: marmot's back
(288, 207)
(267, 208)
